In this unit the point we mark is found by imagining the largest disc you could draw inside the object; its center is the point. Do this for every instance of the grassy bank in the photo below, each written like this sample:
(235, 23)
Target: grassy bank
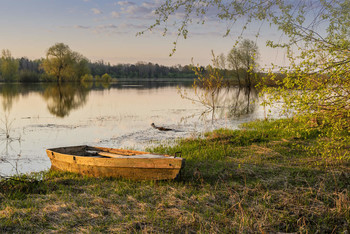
(258, 179)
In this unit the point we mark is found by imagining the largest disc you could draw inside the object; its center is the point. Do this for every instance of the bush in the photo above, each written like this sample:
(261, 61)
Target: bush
(87, 78)
(106, 78)
(28, 77)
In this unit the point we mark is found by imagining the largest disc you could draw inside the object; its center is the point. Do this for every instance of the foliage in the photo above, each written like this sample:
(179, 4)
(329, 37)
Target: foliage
(207, 85)
(244, 57)
(141, 70)
(316, 84)
(26, 64)
(33, 70)
(8, 66)
(26, 76)
(87, 78)
(64, 64)
(29, 71)
(80, 68)
(106, 78)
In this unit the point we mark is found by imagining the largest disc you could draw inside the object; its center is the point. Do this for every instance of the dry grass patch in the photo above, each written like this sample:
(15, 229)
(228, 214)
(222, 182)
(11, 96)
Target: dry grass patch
(233, 182)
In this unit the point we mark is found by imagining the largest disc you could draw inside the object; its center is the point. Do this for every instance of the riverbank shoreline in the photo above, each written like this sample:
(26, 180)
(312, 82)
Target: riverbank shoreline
(260, 178)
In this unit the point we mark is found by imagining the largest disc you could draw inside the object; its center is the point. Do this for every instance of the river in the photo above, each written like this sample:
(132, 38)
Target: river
(119, 115)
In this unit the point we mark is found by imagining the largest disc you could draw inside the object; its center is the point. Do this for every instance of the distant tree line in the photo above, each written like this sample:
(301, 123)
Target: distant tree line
(141, 70)
(63, 64)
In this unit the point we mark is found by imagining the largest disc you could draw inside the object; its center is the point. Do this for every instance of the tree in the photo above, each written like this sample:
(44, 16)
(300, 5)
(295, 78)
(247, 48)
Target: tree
(244, 57)
(207, 85)
(106, 78)
(234, 62)
(249, 56)
(80, 67)
(9, 66)
(87, 78)
(64, 64)
(317, 43)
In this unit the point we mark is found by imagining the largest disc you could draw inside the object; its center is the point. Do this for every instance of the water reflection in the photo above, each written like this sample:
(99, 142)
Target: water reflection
(229, 103)
(104, 85)
(243, 102)
(47, 116)
(11, 153)
(9, 93)
(63, 98)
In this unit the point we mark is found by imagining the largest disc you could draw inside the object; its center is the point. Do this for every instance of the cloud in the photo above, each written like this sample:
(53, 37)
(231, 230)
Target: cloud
(96, 11)
(107, 26)
(144, 10)
(125, 3)
(150, 4)
(134, 9)
(115, 14)
(109, 29)
(131, 26)
(82, 27)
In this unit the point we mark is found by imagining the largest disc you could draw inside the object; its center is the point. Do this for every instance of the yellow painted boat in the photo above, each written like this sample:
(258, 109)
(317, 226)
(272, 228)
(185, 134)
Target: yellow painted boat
(110, 162)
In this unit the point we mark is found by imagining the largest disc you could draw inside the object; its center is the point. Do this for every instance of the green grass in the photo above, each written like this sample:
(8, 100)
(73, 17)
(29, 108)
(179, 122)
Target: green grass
(258, 179)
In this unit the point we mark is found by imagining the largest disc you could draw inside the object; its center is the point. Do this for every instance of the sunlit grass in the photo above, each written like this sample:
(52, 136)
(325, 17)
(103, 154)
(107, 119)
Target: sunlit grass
(258, 179)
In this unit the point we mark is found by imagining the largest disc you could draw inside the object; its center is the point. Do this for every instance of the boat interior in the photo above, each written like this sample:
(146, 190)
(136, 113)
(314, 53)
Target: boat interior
(101, 152)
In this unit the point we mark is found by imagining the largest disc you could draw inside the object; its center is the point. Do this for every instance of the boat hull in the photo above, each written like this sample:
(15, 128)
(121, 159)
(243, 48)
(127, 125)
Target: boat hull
(145, 167)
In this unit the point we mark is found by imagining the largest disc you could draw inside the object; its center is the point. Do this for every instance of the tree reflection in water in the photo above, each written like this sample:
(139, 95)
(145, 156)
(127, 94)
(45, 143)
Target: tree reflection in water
(9, 93)
(9, 155)
(235, 102)
(230, 103)
(243, 100)
(63, 98)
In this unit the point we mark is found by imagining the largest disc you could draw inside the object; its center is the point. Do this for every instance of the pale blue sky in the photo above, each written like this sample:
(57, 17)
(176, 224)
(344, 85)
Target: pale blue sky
(106, 29)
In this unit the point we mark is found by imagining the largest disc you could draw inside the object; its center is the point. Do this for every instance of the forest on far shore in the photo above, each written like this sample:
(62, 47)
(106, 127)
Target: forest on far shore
(27, 71)
(63, 64)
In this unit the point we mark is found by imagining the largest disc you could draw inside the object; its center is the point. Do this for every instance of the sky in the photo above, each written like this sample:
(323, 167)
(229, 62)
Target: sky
(106, 30)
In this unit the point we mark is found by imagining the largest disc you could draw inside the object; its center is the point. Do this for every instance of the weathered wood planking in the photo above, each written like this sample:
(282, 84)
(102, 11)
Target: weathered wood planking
(109, 162)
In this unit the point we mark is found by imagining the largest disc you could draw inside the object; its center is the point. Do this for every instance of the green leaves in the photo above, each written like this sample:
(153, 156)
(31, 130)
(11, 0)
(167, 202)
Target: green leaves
(64, 64)
(316, 83)
(8, 66)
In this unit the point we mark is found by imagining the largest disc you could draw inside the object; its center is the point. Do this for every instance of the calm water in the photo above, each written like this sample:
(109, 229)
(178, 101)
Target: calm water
(38, 117)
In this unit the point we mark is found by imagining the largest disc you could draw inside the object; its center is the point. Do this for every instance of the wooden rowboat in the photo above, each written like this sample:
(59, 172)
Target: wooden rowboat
(109, 162)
